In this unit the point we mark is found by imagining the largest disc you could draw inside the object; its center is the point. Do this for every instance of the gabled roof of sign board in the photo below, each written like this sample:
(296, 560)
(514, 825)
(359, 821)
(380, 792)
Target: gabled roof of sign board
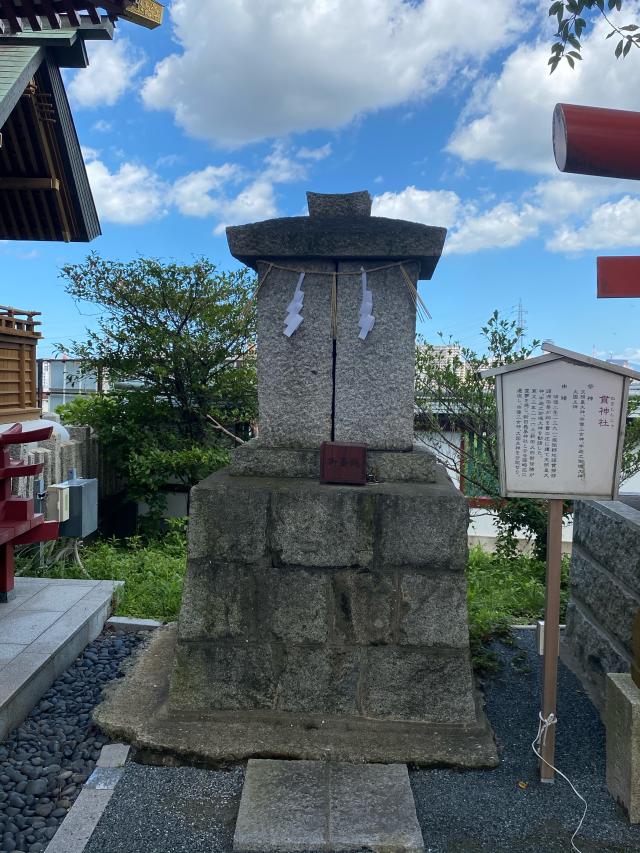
(44, 189)
(555, 353)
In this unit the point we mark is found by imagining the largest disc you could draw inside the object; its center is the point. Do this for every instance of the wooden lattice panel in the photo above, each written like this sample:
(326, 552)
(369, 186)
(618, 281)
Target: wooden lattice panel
(18, 340)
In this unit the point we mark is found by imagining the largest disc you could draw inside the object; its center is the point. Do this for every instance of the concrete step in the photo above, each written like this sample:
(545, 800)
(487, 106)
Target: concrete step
(289, 806)
(42, 630)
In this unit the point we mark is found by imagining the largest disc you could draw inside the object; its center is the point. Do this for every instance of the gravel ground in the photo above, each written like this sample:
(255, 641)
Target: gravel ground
(488, 812)
(175, 810)
(185, 811)
(45, 761)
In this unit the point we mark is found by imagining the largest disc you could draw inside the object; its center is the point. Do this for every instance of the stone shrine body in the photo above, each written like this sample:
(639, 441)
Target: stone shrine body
(325, 621)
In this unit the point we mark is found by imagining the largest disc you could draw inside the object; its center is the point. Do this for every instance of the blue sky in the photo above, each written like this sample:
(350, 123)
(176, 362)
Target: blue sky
(442, 109)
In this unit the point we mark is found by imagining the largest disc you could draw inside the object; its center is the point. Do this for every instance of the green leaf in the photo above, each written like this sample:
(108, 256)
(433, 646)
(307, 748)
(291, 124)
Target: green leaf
(627, 48)
(555, 8)
(570, 61)
(575, 54)
(630, 28)
(619, 47)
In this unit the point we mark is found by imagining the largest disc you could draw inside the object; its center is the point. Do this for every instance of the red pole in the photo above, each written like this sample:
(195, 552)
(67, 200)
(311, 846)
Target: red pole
(595, 141)
(6, 572)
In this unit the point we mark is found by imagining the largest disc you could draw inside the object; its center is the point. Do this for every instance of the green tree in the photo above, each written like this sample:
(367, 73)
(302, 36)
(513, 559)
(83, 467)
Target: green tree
(177, 345)
(573, 17)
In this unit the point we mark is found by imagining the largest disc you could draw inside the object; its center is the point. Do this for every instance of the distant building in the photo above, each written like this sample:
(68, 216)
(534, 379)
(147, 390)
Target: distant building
(60, 380)
(449, 356)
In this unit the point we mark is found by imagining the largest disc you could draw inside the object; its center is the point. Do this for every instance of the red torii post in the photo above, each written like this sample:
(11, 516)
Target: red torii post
(606, 143)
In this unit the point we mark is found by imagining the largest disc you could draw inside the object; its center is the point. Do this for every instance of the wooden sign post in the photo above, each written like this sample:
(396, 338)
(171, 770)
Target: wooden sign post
(561, 425)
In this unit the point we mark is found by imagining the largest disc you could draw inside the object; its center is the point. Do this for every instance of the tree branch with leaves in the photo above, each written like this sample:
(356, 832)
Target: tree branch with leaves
(572, 23)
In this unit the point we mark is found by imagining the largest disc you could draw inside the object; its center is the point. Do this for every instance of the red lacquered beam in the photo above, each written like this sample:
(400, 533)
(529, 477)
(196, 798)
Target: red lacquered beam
(595, 141)
(619, 277)
(16, 435)
(18, 509)
(45, 532)
(21, 469)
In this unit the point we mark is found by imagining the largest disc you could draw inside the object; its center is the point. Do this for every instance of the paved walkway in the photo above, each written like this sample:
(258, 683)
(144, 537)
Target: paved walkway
(42, 630)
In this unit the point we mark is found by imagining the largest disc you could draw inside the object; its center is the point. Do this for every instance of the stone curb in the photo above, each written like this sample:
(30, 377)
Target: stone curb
(123, 624)
(78, 826)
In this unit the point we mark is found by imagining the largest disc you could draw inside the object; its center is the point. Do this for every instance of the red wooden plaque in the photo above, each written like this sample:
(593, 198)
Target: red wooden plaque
(343, 462)
(619, 277)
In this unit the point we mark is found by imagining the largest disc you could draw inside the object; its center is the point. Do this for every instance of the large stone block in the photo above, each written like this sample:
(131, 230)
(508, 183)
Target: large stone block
(293, 606)
(295, 374)
(433, 610)
(610, 532)
(228, 521)
(209, 676)
(364, 605)
(616, 607)
(319, 680)
(253, 459)
(223, 676)
(434, 686)
(424, 525)
(590, 652)
(622, 720)
(218, 602)
(374, 378)
(322, 526)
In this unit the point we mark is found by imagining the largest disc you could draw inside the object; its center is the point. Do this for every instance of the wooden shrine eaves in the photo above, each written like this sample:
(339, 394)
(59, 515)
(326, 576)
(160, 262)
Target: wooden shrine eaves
(15, 15)
(44, 189)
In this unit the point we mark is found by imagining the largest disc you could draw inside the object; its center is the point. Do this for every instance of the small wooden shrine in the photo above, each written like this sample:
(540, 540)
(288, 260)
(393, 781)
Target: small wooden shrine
(18, 341)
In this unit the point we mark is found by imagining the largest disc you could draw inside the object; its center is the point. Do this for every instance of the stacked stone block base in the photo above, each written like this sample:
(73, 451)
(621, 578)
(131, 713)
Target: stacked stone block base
(347, 602)
(622, 720)
(605, 592)
(317, 621)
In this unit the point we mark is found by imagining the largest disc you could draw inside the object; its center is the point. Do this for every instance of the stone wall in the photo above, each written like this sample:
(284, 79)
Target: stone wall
(81, 451)
(605, 591)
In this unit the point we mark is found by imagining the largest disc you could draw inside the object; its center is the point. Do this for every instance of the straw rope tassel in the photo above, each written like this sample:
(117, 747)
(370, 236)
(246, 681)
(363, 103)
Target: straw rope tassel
(417, 299)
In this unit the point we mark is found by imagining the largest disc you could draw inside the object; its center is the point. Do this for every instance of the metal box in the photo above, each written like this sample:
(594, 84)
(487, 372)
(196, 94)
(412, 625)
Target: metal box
(57, 504)
(83, 508)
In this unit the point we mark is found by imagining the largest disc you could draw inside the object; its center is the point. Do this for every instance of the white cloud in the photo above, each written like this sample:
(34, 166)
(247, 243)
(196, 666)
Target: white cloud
(315, 153)
(612, 225)
(432, 207)
(113, 67)
(102, 126)
(281, 66)
(254, 203)
(501, 227)
(507, 121)
(472, 229)
(132, 195)
(192, 193)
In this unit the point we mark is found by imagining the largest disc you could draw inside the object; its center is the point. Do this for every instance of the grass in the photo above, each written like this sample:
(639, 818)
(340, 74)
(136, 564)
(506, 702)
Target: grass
(153, 572)
(503, 592)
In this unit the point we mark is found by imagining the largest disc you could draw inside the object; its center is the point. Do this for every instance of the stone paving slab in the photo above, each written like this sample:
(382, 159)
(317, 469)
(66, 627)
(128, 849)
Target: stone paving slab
(42, 630)
(289, 806)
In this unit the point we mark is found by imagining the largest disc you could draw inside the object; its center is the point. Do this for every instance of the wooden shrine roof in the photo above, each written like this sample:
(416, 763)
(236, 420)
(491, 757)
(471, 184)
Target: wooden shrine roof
(44, 189)
(16, 15)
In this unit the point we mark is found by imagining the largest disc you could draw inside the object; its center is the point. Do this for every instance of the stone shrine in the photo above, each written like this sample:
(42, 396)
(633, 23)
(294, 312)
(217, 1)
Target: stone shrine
(322, 621)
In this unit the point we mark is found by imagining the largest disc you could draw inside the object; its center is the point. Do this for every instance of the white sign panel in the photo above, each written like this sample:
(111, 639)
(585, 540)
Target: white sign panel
(561, 430)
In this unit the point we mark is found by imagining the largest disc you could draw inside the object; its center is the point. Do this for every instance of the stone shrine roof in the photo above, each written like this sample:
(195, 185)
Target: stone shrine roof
(341, 228)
